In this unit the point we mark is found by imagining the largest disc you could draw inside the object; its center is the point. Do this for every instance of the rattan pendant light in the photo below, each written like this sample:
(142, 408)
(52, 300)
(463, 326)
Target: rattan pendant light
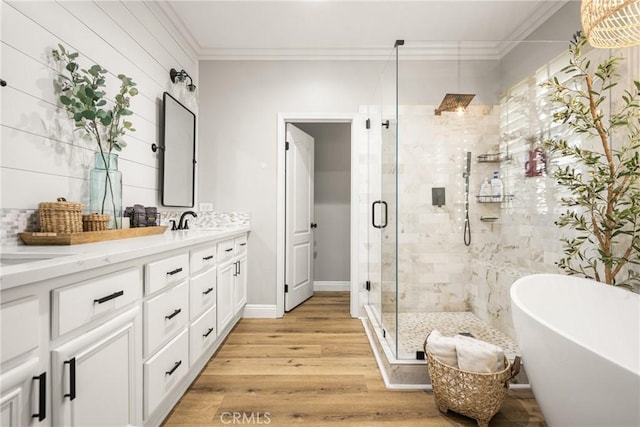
(611, 23)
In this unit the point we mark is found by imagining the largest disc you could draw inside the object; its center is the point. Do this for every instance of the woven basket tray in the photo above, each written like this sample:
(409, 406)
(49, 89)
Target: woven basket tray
(60, 216)
(95, 222)
(477, 395)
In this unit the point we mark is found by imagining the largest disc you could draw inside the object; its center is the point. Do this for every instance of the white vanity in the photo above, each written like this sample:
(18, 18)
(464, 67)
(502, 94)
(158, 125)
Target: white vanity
(113, 333)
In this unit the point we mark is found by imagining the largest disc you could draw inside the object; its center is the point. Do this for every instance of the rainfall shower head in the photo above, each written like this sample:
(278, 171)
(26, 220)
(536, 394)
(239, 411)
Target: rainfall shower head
(455, 102)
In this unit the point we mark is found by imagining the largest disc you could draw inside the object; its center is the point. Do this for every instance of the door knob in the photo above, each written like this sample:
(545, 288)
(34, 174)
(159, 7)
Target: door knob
(314, 225)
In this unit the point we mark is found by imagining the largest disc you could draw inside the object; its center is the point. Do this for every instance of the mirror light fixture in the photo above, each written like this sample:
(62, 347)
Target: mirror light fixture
(611, 23)
(181, 76)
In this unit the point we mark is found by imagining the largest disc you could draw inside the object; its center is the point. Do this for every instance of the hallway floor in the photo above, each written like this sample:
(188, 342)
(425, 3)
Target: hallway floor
(314, 367)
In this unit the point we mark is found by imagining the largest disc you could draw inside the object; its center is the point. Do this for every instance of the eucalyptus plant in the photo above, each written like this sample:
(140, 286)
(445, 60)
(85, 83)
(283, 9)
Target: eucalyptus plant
(603, 208)
(83, 96)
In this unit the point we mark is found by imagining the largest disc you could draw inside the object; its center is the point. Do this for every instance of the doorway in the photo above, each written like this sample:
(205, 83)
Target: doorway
(328, 235)
(334, 212)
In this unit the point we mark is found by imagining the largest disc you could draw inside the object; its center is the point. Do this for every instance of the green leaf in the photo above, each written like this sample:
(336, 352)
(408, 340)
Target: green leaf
(65, 100)
(133, 91)
(88, 114)
(106, 121)
(71, 67)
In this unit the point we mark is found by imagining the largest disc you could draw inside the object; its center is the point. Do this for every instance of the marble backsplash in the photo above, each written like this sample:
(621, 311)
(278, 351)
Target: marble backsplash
(14, 221)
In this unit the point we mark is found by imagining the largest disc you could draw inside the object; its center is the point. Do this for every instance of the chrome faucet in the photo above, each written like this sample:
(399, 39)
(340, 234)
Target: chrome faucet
(184, 223)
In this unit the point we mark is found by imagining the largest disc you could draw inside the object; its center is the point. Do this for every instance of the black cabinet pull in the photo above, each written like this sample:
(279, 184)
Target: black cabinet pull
(176, 271)
(72, 378)
(235, 268)
(207, 258)
(108, 297)
(228, 250)
(238, 268)
(243, 244)
(42, 397)
(176, 366)
(208, 291)
(208, 332)
(174, 314)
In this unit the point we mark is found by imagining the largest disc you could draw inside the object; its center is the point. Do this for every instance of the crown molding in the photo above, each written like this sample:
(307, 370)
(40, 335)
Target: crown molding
(165, 9)
(425, 51)
(546, 11)
(481, 50)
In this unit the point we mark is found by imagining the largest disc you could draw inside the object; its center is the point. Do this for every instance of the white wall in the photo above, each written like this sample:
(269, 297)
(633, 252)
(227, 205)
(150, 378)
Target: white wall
(548, 41)
(40, 151)
(332, 200)
(239, 103)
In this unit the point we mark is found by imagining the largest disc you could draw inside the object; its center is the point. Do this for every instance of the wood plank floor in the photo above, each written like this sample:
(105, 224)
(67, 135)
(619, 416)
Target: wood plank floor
(315, 367)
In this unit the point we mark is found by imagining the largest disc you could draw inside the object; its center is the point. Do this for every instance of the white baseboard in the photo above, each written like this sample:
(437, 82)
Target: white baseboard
(259, 311)
(326, 286)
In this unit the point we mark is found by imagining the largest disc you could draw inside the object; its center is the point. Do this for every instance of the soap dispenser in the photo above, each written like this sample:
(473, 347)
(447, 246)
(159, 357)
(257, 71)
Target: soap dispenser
(497, 189)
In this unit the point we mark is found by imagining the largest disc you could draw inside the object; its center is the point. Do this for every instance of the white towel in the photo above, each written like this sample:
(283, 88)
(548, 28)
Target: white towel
(478, 356)
(442, 348)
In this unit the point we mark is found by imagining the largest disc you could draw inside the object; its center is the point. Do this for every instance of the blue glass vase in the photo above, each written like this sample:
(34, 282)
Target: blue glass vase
(105, 191)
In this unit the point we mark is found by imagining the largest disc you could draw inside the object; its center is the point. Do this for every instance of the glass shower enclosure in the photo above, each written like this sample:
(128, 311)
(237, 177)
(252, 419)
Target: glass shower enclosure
(421, 273)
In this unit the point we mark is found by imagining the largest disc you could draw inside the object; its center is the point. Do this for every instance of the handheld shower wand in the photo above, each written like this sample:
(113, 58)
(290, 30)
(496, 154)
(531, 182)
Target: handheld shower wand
(467, 226)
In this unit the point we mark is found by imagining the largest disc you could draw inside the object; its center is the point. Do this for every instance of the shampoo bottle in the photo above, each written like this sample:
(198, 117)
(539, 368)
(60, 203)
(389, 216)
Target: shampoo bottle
(485, 190)
(497, 189)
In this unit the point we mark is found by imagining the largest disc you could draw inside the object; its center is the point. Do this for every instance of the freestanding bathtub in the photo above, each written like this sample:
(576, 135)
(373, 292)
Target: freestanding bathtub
(580, 344)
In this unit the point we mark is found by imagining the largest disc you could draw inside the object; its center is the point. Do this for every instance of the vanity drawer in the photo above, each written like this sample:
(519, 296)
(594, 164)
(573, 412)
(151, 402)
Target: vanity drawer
(164, 315)
(202, 333)
(78, 304)
(202, 292)
(202, 258)
(164, 370)
(165, 272)
(19, 322)
(240, 245)
(225, 251)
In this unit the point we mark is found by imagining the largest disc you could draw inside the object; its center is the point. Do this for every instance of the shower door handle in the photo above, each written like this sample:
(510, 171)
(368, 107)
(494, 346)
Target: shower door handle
(386, 214)
(373, 213)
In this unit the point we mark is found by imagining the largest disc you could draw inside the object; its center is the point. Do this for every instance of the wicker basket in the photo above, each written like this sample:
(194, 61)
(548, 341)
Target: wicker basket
(477, 395)
(60, 216)
(95, 222)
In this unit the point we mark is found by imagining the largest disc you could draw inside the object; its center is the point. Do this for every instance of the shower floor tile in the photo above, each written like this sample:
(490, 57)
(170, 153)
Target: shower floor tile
(414, 327)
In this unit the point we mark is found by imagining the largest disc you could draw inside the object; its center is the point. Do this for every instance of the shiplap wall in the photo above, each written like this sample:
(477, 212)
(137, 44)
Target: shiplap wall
(42, 158)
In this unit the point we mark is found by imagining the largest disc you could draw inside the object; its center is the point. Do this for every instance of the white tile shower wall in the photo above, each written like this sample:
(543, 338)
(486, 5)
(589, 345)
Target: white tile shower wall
(526, 240)
(432, 257)
(39, 148)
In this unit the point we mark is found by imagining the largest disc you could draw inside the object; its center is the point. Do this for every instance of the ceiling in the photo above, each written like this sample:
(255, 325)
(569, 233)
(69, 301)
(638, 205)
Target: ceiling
(354, 29)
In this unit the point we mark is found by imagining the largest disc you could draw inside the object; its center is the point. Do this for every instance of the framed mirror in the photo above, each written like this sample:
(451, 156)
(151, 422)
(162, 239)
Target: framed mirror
(179, 153)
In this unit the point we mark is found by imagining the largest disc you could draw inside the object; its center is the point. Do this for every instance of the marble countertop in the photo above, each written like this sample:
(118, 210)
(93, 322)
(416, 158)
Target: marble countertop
(22, 265)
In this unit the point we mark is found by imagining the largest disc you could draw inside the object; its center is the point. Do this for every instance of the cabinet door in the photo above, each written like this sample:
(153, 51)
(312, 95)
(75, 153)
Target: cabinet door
(225, 293)
(23, 401)
(240, 287)
(96, 377)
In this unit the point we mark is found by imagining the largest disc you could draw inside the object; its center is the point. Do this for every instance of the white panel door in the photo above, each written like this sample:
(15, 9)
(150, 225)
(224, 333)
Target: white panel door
(299, 216)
